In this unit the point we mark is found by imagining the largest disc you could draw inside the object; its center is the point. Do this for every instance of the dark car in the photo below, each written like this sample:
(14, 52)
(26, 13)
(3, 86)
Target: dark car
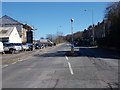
(39, 46)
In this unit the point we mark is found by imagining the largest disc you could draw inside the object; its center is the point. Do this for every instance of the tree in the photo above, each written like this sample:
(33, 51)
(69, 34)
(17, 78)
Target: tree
(113, 15)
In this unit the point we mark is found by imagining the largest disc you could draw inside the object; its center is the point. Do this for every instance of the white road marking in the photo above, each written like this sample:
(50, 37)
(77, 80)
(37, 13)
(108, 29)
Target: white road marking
(66, 57)
(70, 68)
(14, 62)
(35, 87)
(4, 66)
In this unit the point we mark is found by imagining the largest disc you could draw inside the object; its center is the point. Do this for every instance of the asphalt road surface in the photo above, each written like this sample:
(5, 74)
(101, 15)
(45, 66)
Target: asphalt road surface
(89, 68)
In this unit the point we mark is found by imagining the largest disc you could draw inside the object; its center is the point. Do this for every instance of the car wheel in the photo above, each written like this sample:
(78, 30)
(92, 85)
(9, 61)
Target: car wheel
(12, 51)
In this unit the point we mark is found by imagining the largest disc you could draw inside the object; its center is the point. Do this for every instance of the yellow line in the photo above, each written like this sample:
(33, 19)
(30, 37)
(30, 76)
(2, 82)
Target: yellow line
(15, 60)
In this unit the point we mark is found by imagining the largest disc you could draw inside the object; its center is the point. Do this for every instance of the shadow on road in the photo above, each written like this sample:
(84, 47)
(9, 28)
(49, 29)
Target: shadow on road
(84, 52)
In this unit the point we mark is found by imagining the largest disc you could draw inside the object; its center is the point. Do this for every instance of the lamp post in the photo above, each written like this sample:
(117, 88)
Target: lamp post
(93, 27)
(72, 28)
(72, 47)
(93, 36)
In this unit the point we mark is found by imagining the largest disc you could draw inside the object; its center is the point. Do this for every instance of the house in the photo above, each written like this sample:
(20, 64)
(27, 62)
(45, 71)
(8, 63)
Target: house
(24, 30)
(102, 29)
(87, 34)
(9, 34)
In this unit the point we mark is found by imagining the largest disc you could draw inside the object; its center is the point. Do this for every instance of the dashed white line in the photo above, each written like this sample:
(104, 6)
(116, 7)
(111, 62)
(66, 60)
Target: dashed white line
(70, 68)
(35, 87)
(71, 71)
(66, 57)
(14, 62)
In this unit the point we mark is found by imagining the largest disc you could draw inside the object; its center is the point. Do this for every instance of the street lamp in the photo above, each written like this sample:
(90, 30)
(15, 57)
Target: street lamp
(72, 28)
(92, 26)
(72, 47)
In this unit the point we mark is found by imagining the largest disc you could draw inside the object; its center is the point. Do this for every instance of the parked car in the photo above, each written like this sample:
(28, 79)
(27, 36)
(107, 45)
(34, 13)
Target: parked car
(54, 44)
(1, 47)
(25, 47)
(50, 44)
(30, 46)
(39, 46)
(20, 45)
(12, 47)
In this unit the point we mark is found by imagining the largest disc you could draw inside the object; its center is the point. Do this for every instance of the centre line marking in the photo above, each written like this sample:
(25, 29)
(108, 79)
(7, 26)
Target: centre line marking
(66, 57)
(14, 63)
(71, 71)
(70, 68)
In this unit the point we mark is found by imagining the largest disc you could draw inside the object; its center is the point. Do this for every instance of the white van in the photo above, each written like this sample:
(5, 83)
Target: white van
(1, 47)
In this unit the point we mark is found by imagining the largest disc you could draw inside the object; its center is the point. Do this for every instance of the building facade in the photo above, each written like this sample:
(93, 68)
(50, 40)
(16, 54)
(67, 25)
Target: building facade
(9, 34)
(24, 30)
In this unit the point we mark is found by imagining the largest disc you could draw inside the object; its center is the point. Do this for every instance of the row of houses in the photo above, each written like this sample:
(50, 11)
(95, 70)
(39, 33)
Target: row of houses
(99, 31)
(15, 32)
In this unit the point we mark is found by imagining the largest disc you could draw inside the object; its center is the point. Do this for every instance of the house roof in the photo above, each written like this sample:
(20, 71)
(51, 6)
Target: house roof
(6, 20)
(5, 31)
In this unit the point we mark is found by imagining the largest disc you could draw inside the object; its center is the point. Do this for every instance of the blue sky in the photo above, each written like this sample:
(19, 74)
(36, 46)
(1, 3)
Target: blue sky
(50, 17)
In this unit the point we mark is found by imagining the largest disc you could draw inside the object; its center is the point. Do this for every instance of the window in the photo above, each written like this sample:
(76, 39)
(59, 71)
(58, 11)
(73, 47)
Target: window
(3, 31)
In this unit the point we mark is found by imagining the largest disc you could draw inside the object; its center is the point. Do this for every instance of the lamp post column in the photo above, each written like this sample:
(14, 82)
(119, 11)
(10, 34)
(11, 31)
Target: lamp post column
(72, 47)
(93, 27)
(72, 29)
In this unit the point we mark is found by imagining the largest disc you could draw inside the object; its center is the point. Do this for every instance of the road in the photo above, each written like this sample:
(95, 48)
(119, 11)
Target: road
(91, 68)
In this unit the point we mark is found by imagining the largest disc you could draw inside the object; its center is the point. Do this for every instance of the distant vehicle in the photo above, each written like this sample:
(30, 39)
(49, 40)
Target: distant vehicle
(1, 47)
(30, 46)
(12, 47)
(77, 43)
(50, 44)
(54, 44)
(39, 46)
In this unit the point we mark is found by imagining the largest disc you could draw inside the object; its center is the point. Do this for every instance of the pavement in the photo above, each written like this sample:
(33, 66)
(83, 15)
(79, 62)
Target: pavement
(90, 68)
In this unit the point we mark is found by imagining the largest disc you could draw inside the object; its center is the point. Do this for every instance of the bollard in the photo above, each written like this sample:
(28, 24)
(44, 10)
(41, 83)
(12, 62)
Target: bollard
(72, 49)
